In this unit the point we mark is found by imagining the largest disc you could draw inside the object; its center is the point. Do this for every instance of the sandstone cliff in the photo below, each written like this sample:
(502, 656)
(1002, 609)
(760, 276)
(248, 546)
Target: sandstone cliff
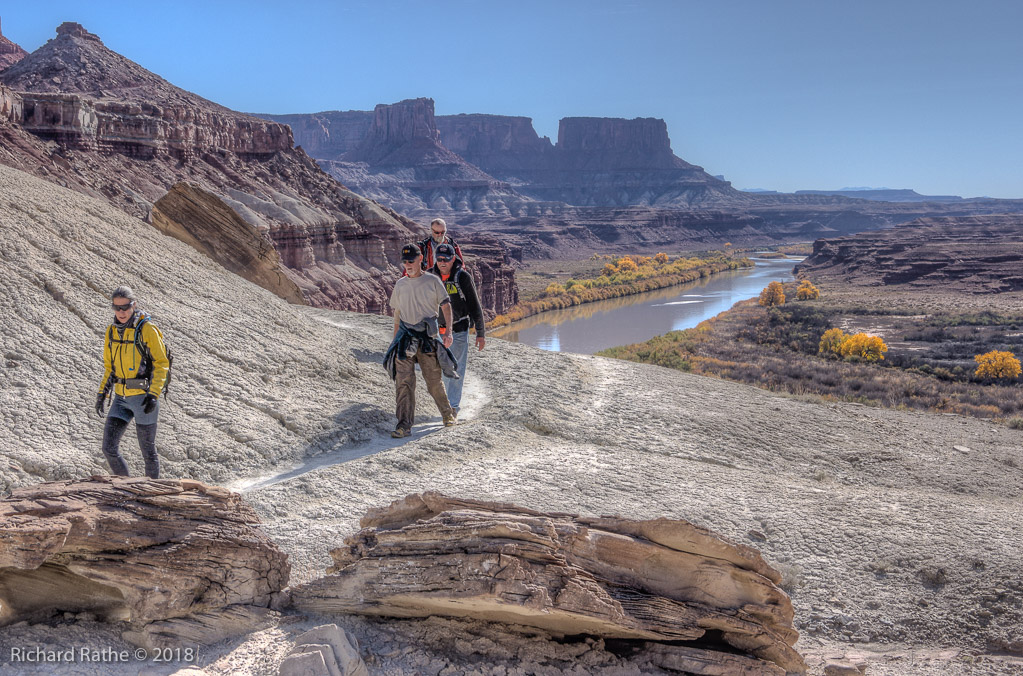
(327, 135)
(10, 53)
(401, 162)
(93, 120)
(501, 145)
(978, 254)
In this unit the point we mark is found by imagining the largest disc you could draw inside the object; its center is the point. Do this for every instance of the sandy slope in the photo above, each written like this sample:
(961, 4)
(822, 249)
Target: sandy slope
(897, 531)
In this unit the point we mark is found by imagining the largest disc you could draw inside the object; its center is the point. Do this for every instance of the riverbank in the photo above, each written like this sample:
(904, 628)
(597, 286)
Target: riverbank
(621, 276)
(930, 363)
(591, 327)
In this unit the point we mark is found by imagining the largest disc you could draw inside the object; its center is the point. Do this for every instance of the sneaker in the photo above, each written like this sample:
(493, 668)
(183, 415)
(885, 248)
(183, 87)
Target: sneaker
(400, 432)
(451, 420)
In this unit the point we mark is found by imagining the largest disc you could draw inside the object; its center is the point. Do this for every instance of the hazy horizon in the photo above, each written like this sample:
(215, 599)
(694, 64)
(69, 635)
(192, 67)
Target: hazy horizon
(792, 95)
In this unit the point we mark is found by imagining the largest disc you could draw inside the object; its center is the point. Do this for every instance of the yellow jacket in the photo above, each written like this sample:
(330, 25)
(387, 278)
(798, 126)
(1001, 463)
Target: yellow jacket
(123, 359)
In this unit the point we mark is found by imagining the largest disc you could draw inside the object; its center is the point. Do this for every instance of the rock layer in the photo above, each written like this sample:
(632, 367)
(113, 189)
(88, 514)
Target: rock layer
(976, 254)
(660, 580)
(202, 220)
(172, 559)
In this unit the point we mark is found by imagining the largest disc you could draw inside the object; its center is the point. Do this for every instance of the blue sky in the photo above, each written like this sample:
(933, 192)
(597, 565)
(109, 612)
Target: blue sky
(778, 94)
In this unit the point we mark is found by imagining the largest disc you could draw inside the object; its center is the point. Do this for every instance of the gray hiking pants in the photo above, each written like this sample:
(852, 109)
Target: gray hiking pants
(112, 433)
(405, 387)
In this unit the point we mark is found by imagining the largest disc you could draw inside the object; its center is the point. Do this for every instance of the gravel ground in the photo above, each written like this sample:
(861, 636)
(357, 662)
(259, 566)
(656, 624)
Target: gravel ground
(896, 532)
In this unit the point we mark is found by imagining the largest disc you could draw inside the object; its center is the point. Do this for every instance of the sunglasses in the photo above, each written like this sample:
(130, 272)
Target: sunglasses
(122, 308)
(439, 232)
(445, 260)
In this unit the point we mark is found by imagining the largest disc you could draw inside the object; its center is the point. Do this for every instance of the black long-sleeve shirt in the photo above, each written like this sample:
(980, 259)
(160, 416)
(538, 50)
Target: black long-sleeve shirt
(466, 310)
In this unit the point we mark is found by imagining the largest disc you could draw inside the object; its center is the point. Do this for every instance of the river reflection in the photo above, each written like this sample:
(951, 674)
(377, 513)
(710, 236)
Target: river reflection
(592, 327)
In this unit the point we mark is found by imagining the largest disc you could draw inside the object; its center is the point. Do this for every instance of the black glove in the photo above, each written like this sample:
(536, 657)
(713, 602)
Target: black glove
(101, 399)
(149, 403)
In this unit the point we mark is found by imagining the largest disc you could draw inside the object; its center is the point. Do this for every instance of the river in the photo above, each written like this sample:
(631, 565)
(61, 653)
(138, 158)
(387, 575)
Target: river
(592, 327)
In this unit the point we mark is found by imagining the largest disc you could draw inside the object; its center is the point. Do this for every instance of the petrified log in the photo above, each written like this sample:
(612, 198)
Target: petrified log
(658, 580)
(175, 559)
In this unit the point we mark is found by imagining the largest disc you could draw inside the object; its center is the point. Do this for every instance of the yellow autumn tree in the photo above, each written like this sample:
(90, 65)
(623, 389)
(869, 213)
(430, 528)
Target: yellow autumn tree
(626, 264)
(807, 291)
(661, 258)
(774, 294)
(867, 348)
(554, 289)
(997, 365)
(831, 342)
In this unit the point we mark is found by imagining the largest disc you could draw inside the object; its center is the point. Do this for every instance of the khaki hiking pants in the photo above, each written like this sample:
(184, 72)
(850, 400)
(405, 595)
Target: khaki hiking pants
(405, 387)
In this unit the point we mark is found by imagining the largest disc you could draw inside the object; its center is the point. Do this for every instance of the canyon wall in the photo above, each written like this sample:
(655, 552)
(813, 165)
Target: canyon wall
(327, 135)
(972, 254)
(401, 162)
(500, 145)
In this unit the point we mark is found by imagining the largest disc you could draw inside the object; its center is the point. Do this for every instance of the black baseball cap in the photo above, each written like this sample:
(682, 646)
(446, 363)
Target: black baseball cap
(445, 252)
(410, 252)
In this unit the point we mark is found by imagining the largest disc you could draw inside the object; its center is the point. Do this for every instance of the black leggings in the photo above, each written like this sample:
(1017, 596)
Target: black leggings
(112, 433)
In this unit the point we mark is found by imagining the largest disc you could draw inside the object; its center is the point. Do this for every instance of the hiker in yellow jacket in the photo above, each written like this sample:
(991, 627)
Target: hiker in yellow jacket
(137, 367)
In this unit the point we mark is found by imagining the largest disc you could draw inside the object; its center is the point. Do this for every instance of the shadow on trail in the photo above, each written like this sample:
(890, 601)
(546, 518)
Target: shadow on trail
(363, 416)
(370, 417)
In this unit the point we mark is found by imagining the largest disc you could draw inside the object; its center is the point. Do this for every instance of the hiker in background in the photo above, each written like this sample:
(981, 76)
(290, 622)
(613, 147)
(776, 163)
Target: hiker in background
(465, 311)
(438, 236)
(415, 300)
(137, 366)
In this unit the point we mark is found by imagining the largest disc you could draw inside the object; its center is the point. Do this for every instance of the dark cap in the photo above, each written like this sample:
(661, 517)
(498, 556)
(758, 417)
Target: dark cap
(445, 252)
(410, 252)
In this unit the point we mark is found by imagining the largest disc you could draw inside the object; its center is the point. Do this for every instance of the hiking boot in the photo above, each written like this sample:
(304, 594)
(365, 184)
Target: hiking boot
(451, 420)
(400, 432)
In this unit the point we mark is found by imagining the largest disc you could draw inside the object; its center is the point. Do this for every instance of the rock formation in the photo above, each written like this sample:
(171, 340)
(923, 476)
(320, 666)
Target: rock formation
(401, 162)
(596, 162)
(501, 145)
(973, 254)
(10, 53)
(174, 560)
(202, 220)
(327, 135)
(661, 580)
(94, 121)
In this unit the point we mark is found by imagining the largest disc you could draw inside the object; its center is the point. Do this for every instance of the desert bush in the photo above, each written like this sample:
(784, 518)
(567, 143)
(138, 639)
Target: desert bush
(807, 291)
(626, 264)
(997, 365)
(772, 295)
